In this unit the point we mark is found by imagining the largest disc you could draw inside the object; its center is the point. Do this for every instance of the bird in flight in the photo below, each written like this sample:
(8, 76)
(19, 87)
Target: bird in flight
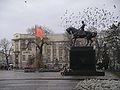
(25, 1)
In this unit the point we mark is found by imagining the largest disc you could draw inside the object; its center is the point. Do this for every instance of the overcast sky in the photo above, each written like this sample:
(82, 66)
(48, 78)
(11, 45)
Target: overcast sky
(16, 16)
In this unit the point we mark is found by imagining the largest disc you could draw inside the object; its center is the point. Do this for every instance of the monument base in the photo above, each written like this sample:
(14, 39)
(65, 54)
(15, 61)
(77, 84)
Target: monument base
(82, 62)
(83, 73)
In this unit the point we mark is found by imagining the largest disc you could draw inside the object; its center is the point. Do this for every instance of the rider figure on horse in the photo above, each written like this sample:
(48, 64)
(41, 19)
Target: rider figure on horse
(81, 29)
(83, 26)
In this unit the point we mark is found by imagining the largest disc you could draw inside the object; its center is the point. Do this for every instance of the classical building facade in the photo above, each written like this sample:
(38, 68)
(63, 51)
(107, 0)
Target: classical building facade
(56, 52)
(20, 51)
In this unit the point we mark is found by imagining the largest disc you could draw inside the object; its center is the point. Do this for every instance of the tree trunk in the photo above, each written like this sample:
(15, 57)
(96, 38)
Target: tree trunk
(7, 61)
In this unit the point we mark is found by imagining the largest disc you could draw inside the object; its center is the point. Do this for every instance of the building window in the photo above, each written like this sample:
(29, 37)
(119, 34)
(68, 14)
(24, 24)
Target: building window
(48, 53)
(29, 46)
(23, 57)
(23, 44)
(54, 50)
(60, 53)
(29, 57)
(16, 46)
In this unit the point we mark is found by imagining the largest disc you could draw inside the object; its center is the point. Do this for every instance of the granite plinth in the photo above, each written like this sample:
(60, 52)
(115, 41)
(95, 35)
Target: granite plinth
(83, 62)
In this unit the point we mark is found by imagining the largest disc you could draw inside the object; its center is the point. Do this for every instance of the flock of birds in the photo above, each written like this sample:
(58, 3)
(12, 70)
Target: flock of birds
(94, 18)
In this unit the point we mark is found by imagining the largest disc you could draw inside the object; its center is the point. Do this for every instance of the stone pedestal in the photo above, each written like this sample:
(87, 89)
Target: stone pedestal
(83, 62)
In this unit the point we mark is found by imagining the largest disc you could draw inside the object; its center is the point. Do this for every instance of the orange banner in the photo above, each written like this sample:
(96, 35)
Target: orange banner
(39, 32)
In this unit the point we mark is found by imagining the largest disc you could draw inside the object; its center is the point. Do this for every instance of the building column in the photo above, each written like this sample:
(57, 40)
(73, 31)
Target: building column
(57, 51)
(51, 55)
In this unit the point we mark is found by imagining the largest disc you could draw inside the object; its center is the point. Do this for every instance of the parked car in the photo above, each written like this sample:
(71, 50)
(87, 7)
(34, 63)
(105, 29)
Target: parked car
(29, 68)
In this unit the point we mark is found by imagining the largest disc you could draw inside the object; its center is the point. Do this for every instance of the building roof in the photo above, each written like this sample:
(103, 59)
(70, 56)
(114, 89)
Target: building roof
(57, 37)
(18, 36)
(51, 37)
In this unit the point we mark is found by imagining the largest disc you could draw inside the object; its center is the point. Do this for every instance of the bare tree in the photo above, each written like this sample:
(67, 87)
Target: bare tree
(39, 49)
(6, 48)
(39, 45)
(113, 40)
(30, 31)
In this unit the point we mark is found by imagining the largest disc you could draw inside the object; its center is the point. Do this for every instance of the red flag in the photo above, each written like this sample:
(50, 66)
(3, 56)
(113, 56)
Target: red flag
(39, 32)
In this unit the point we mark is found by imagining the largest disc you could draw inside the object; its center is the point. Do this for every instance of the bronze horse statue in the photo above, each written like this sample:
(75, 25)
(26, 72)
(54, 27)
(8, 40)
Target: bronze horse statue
(81, 34)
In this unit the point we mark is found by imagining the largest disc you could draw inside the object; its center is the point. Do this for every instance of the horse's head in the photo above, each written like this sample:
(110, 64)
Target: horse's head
(71, 30)
(68, 30)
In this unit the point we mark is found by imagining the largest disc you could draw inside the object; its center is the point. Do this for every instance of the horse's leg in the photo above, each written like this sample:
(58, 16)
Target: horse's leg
(71, 42)
(91, 41)
(87, 42)
(74, 40)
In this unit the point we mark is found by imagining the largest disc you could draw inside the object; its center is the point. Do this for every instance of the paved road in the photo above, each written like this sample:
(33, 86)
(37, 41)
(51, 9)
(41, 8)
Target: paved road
(38, 84)
(48, 75)
(18, 80)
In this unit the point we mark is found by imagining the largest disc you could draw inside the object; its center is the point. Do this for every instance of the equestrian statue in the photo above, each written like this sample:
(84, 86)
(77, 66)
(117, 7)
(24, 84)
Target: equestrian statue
(80, 33)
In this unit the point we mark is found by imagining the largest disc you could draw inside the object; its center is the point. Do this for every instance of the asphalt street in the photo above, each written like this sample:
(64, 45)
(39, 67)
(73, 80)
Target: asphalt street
(18, 80)
(38, 84)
